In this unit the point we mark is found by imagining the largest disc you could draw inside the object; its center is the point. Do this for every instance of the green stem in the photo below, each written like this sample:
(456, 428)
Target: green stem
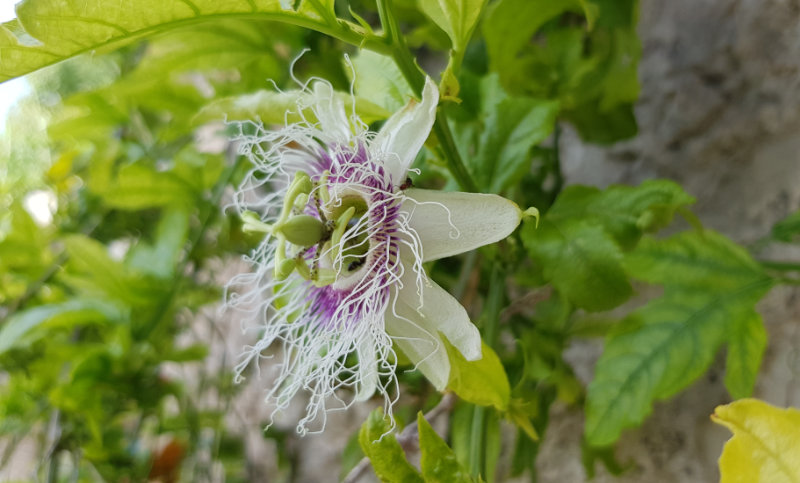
(782, 266)
(491, 319)
(477, 445)
(470, 259)
(398, 50)
(558, 175)
(494, 304)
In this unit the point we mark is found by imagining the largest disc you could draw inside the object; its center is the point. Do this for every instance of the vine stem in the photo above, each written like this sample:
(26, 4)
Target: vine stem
(398, 50)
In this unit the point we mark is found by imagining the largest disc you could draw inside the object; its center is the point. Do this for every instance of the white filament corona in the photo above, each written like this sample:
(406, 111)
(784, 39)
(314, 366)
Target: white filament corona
(347, 301)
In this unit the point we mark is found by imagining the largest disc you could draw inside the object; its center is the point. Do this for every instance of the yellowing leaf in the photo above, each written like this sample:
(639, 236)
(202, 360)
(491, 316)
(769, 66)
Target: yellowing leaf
(765, 446)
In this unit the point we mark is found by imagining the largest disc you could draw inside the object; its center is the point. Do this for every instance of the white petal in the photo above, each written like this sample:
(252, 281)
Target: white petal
(449, 223)
(330, 112)
(439, 312)
(367, 368)
(425, 350)
(401, 138)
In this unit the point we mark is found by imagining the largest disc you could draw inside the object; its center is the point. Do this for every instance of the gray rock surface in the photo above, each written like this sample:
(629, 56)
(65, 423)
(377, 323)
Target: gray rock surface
(720, 114)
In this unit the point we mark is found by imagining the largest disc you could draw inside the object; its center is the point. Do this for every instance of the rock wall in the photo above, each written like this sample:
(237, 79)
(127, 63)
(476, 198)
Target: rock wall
(720, 114)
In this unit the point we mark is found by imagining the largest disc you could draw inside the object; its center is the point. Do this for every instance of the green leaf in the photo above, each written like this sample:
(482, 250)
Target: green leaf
(438, 463)
(384, 452)
(625, 212)
(603, 127)
(89, 256)
(457, 18)
(513, 127)
(93, 272)
(592, 72)
(710, 289)
(49, 31)
(581, 239)
(519, 413)
(580, 259)
(137, 187)
(378, 80)
(482, 382)
(18, 327)
(746, 344)
(161, 258)
(195, 352)
(497, 146)
(510, 24)
(788, 229)
(272, 107)
(694, 261)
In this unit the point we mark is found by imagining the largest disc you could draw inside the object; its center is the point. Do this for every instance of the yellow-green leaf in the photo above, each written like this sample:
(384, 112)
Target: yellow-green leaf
(456, 17)
(271, 107)
(482, 382)
(384, 452)
(49, 31)
(438, 461)
(765, 447)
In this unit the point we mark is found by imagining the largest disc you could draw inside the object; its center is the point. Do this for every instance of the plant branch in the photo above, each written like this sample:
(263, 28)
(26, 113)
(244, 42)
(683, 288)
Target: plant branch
(398, 50)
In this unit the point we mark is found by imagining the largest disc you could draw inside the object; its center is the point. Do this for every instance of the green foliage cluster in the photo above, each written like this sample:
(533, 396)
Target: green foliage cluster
(97, 304)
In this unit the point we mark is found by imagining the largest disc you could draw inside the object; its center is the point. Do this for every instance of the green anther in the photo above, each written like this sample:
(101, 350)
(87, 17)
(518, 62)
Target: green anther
(252, 223)
(302, 267)
(325, 277)
(324, 194)
(301, 201)
(283, 266)
(301, 186)
(302, 230)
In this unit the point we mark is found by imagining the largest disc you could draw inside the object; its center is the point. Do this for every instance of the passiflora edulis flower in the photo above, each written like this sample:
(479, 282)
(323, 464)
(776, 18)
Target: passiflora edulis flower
(338, 278)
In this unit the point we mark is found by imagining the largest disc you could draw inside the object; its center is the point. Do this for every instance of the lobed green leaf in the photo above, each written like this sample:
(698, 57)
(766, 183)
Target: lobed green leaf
(439, 462)
(384, 452)
(625, 212)
(711, 287)
(746, 345)
(581, 260)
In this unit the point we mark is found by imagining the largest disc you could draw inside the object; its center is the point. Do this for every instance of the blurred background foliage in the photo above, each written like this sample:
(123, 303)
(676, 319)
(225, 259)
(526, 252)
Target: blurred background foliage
(114, 242)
